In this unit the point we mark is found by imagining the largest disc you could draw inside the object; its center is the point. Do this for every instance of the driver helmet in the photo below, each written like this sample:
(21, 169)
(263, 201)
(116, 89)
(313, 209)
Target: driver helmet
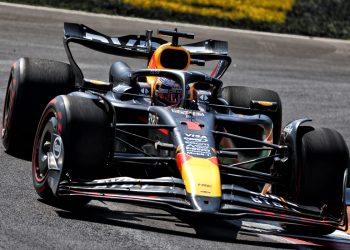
(168, 92)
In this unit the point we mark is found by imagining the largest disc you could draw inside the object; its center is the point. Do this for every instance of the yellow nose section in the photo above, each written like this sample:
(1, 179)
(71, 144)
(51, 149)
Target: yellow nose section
(201, 176)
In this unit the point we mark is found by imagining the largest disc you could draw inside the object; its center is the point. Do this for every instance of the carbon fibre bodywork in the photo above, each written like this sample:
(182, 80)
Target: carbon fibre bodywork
(203, 173)
(171, 131)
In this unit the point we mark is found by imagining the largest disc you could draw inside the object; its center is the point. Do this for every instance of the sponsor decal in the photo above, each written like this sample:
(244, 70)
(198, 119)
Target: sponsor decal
(274, 201)
(90, 36)
(197, 145)
(57, 147)
(261, 200)
(204, 185)
(204, 97)
(115, 40)
(187, 112)
(145, 91)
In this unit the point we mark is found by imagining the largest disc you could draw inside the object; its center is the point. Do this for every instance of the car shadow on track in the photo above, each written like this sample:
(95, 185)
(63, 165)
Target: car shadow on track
(20, 155)
(207, 230)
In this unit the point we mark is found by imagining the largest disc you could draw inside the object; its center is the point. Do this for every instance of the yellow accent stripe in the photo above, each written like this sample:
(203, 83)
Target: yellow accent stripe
(262, 10)
(96, 82)
(266, 104)
(201, 177)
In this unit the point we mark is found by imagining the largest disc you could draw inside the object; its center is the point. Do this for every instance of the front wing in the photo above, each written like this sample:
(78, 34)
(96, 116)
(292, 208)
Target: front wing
(169, 193)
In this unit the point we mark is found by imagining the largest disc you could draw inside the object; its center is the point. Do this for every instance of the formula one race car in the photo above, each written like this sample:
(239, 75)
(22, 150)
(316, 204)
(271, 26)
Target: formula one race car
(172, 138)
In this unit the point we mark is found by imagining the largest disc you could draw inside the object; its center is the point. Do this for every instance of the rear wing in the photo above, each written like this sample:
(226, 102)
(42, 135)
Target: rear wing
(140, 46)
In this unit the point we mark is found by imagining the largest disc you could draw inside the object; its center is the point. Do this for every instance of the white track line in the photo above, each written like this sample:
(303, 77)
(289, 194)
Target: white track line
(133, 19)
(273, 231)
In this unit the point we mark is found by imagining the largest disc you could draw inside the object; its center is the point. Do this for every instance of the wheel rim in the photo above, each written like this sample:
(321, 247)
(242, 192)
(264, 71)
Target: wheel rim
(48, 150)
(9, 99)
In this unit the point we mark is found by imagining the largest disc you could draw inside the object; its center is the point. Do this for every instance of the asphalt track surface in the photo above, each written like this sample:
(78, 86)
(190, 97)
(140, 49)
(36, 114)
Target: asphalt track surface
(312, 77)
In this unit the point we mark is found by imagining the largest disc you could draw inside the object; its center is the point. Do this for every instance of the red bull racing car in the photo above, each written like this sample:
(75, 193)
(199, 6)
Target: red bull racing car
(171, 137)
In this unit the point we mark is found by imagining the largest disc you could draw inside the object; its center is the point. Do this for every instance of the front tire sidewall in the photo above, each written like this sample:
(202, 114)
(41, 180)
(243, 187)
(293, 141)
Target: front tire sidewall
(41, 182)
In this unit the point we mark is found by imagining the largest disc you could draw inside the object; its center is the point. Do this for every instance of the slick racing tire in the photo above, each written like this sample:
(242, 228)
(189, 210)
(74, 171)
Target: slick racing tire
(324, 158)
(73, 138)
(32, 84)
(241, 96)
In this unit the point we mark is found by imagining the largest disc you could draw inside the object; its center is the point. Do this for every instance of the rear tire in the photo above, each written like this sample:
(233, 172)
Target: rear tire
(32, 84)
(75, 132)
(241, 96)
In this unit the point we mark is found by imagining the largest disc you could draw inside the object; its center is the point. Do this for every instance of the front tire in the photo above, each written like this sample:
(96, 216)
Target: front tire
(74, 137)
(324, 159)
(321, 179)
